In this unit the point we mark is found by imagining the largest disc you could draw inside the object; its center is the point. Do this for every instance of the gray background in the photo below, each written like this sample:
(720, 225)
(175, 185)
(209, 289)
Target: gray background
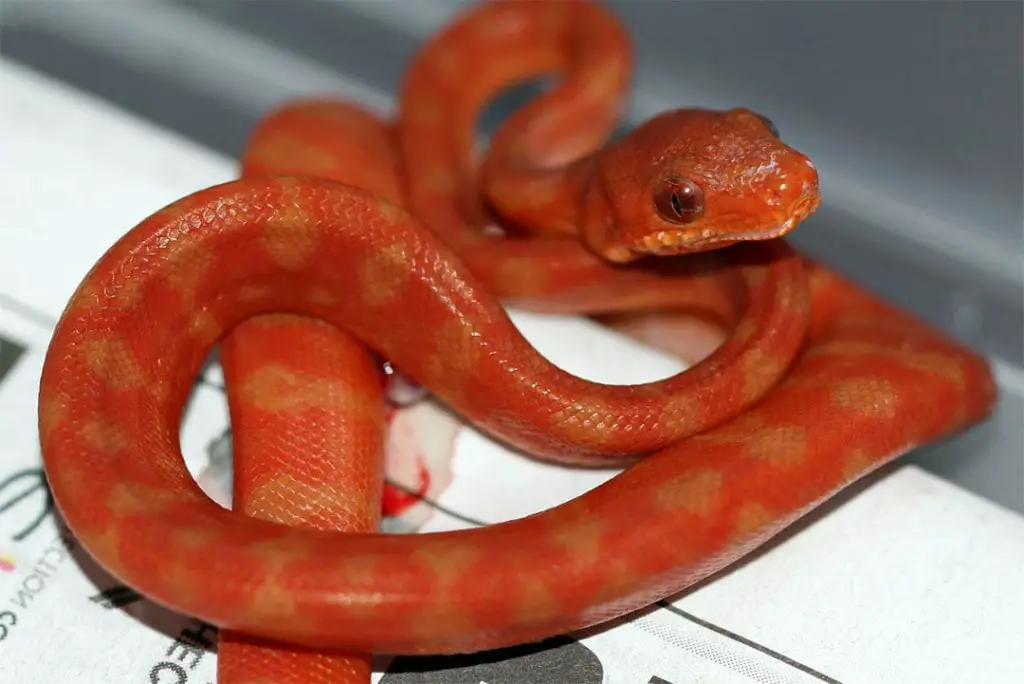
(911, 110)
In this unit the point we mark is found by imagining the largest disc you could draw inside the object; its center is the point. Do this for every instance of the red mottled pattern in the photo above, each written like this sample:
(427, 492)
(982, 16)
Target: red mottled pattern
(384, 233)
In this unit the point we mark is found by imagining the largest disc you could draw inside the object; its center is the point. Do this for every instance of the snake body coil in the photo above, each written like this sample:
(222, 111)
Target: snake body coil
(378, 231)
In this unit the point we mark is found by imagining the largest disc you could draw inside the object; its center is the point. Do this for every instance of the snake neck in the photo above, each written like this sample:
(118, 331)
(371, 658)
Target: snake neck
(534, 172)
(535, 199)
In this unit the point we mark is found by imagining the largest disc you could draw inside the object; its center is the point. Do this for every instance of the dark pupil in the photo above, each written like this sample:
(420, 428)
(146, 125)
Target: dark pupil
(682, 202)
(679, 200)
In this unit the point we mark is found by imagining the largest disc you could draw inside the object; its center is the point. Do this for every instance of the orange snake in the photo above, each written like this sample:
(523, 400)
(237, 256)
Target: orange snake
(379, 231)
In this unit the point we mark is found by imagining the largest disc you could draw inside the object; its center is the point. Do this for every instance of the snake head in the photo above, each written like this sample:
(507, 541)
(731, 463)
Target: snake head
(693, 180)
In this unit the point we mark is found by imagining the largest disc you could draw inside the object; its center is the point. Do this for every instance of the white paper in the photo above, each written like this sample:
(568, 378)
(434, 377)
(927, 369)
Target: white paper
(911, 580)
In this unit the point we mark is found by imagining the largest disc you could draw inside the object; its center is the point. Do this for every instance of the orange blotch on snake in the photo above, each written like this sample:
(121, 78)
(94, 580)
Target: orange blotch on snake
(946, 366)
(197, 538)
(590, 414)
(385, 273)
(288, 153)
(437, 374)
(855, 462)
(125, 501)
(204, 328)
(941, 366)
(125, 295)
(698, 492)
(867, 396)
(448, 561)
(279, 389)
(422, 624)
(270, 599)
(580, 539)
(104, 437)
(287, 236)
(111, 361)
(679, 408)
(186, 272)
(760, 369)
(536, 602)
(315, 502)
(456, 352)
(784, 445)
(361, 571)
(753, 517)
(951, 371)
(279, 558)
(933, 365)
(593, 421)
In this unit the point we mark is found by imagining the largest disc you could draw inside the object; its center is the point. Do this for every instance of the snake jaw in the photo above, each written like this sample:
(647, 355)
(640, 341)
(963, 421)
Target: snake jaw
(672, 242)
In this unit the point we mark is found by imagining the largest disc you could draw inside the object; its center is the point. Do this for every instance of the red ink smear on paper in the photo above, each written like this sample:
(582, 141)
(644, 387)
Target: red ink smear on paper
(396, 501)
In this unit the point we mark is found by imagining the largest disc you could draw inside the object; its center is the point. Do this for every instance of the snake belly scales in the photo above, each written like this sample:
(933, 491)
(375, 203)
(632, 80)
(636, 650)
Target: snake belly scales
(349, 239)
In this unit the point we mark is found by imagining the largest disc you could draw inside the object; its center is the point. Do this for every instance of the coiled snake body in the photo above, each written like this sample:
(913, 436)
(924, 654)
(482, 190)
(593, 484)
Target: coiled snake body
(379, 231)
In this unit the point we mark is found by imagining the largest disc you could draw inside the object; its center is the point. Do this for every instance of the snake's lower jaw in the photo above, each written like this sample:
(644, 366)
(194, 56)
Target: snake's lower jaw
(666, 242)
(676, 242)
(724, 239)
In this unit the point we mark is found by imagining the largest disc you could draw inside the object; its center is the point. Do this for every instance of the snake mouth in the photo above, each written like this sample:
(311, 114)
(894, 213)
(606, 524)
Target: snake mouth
(673, 242)
(681, 241)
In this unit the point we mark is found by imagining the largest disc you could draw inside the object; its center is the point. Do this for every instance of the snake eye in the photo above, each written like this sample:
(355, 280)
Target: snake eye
(678, 200)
